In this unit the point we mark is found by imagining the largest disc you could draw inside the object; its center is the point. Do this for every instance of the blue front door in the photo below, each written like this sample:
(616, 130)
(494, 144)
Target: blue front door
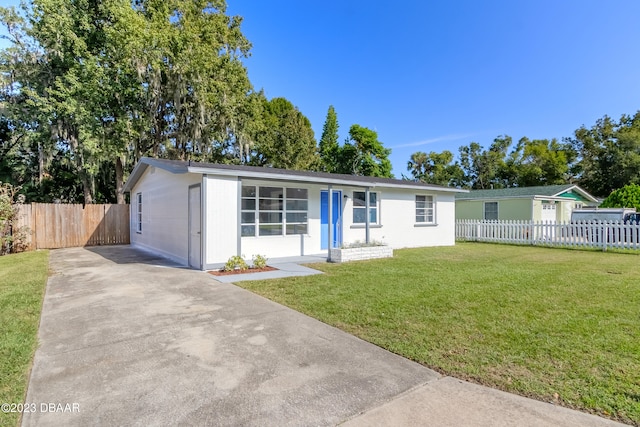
(336, 219)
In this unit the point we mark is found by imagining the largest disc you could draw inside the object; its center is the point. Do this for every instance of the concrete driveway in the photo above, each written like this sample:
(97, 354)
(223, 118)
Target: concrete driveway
(126, 338)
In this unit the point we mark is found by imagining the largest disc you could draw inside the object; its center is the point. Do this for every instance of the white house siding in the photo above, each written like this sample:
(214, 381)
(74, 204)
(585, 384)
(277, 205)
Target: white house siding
(397, 226)
(165, 227)
(397, 214)
(221, 195)
(566, 207)
(291, 245)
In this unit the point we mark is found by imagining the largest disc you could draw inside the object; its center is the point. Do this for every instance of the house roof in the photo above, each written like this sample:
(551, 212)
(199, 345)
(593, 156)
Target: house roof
(256, 172)
(526, 192)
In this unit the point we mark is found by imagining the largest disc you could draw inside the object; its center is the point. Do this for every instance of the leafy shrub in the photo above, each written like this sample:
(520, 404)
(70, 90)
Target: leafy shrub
(625, 197)
(259, 261)
(12, 237)
(236, 262)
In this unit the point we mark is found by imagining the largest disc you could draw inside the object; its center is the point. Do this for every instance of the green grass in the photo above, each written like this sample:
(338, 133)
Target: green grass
(557, 325)
(22, 283)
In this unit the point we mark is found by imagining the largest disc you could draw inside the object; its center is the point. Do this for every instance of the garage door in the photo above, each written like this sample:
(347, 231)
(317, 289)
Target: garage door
(548, 212)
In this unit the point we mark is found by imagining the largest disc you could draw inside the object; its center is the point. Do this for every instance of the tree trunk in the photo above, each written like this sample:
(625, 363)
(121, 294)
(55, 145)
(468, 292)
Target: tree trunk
(80, 167)
(119, 181)
(40, 163)
(86, 188)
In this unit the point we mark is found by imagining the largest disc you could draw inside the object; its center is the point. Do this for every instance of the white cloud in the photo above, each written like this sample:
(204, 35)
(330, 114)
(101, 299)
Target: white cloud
(453, 137)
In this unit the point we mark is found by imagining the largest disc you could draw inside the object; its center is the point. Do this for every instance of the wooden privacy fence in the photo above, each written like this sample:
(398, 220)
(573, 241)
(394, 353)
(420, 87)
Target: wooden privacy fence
(64, 225)
(586, 234)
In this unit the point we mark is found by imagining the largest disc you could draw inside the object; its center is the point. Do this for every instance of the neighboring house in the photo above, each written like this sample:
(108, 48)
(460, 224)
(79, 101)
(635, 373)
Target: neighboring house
(551, 203)
(200, 214)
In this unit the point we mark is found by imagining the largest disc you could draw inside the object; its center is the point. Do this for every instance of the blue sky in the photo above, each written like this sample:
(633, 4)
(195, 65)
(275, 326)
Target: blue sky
(435, 75)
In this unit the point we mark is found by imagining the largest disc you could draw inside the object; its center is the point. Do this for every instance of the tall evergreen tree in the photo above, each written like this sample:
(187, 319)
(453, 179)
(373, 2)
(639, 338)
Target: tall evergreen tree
(329, 147)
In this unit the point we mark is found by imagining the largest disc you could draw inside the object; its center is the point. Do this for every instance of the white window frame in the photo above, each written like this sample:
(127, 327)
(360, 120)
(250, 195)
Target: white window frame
(253, 211)
(484, 211)
(375, 206)
(297, 227)
(268, 224)
(423, 211)
(139, 213)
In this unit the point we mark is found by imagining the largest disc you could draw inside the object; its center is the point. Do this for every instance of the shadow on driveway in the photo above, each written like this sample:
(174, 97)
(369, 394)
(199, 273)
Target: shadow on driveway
(126, 254)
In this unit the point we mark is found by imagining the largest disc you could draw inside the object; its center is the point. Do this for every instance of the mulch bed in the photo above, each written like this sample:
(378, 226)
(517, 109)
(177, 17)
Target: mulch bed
(247, 271)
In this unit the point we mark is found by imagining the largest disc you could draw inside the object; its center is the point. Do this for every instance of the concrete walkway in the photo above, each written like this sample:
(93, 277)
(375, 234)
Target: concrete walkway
(126, 338)
(285, 267)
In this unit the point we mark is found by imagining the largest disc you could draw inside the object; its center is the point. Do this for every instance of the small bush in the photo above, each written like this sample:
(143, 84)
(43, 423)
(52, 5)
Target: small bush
(236, 262)
(259, 261)
(12, 238)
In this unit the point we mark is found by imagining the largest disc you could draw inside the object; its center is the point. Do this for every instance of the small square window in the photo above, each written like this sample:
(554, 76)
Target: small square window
(491, 211)
(359, 207)
(425, 209)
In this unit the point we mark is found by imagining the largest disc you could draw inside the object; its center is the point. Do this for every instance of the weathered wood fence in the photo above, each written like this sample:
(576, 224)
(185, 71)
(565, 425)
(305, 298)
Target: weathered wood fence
(587, 234)
(64, 225)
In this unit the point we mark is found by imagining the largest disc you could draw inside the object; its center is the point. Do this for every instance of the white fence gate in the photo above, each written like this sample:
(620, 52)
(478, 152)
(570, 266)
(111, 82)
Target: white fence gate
(588, 234)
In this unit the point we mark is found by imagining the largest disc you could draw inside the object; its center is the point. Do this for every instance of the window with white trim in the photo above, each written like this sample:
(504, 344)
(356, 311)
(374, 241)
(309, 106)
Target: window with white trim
(296, 207)
(360, 207)
(491, 211)
(248, 208)
(425, 211)
(270, 209)
(138, 212)
(273, 211)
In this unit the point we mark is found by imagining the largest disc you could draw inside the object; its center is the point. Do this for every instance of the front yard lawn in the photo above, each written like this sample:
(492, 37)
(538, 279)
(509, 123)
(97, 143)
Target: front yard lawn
(557, 325)
(22, 282)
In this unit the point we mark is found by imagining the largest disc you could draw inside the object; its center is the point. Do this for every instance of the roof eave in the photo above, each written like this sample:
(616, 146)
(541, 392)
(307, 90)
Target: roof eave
(579, 190)
(146, 162)
(142, 166)
(314, 179)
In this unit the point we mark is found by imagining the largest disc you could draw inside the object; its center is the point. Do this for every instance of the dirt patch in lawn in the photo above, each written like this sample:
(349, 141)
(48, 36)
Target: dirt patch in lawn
(247, 271)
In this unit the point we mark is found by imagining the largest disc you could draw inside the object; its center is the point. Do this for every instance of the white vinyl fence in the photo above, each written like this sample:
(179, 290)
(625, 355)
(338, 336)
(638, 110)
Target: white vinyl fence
(587, 234)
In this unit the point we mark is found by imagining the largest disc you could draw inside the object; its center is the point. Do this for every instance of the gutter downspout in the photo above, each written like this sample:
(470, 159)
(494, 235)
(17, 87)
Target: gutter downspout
(239, 216)
(330, 220)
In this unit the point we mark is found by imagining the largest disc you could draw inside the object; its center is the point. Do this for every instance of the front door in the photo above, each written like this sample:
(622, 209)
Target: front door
(336, 219)
(195, 224)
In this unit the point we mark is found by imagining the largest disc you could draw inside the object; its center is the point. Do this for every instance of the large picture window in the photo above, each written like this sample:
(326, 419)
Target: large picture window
(425, 212)
(360, 207)
(273, 211)
(491, 211)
